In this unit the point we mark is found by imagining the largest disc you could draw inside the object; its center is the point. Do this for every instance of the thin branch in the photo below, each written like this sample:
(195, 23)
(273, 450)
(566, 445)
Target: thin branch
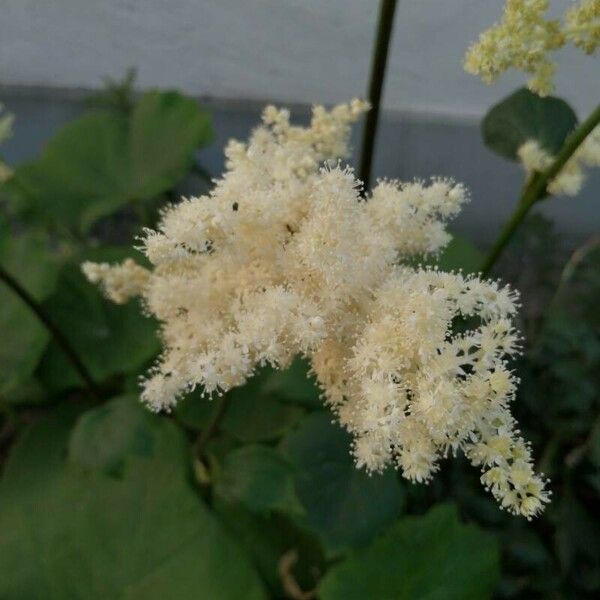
(536, 188)
(380, 54)
(571, 266)
(58, 335)
(288, 581)
(216, 418)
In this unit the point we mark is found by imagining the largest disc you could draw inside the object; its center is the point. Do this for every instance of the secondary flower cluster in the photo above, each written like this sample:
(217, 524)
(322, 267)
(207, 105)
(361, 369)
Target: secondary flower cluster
(524, 38)
(285, 257)
(569, 181)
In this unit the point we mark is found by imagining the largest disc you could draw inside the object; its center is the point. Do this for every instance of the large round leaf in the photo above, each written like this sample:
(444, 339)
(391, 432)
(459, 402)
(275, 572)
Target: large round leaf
(101, 161)
(294, 385)
(344, 506)
(28, 259)
(256, 414)
(69, 532)
(434, 557)
(104, 437)
(460, 254)
(165, 129)
(524, 116)
(110, 339)
(257, 411)
(260, 410)
(267, 539)
(258, 478)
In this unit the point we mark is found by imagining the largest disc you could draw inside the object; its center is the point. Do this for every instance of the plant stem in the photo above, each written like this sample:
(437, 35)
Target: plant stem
(58, 335)
(536, 187)
(571, 266)
(506, 234)
(211, 427)
(380, 54)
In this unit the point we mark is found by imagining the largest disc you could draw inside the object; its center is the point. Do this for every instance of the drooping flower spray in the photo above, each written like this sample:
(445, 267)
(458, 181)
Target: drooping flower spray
(285, 257)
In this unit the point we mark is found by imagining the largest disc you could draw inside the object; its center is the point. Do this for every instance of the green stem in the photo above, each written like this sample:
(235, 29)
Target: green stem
(507, 232)
(211, 427)
(380, 54)
(536, 188)
(58, 335)
(571, 266)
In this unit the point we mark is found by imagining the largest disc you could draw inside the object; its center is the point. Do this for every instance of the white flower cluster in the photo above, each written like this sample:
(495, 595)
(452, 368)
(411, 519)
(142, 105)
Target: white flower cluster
(284, 257)
(571, 178)
(120, 282)
(582, 25)
(524, 39)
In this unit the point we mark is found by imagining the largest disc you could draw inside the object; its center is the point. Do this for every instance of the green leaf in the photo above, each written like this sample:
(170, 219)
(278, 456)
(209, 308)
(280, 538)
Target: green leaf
(524, 545)
(294, 385)
(28, 259)
(344, 506)
(577, 534)
(110, 339)
(256, 415)
(165, 129)
(267, 538)
(81, 175)
(101, 161)
(258, 478)
(524, 116)
(75, 533)
(257, 411)
(459, 254)
(593, 449)
(431, 557)
(194, 411)
(104, 437)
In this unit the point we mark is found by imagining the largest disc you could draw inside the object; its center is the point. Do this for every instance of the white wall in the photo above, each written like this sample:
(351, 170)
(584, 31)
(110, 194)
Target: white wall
(287, 50)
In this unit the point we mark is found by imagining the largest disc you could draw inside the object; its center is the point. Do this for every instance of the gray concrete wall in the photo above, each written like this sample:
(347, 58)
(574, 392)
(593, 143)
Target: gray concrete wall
(288, 50)
(410, 145)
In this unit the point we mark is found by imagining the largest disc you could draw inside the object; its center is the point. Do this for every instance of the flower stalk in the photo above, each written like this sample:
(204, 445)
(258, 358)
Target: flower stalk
(535, 189)
(378, 67)
(212, 426)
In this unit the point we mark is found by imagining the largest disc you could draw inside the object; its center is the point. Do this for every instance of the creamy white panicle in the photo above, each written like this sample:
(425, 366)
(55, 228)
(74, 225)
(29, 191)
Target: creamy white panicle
(525, 38)
(571, 177)
(284, 257)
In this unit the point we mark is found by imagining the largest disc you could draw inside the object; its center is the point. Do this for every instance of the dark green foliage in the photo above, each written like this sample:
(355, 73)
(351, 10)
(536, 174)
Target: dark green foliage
(103, 161)
(418, 558)
(460, 254)
(111, 339)
(338, 498)
(524, 116)
(104, 437)
(257, 416)
(258, 478)
(558, 408)
(24, 338)
(73, 532)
